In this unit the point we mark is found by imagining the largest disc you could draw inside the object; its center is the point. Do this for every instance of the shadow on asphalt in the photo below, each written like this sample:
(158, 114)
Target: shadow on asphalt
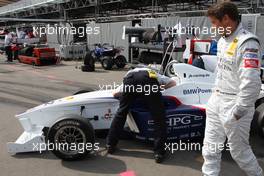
(103, 163)
(97, 164)
(93, 163)
(43, 155)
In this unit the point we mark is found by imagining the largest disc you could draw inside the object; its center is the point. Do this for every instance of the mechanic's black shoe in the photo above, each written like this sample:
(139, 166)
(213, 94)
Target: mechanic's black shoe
(110, 149)
(159, 158)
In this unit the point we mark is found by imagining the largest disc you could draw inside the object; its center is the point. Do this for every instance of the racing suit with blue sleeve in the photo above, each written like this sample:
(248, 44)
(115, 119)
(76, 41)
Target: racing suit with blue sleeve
(230, 109)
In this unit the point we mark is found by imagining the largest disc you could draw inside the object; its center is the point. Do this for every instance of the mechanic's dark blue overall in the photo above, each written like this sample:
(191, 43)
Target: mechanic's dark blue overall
(155, 105)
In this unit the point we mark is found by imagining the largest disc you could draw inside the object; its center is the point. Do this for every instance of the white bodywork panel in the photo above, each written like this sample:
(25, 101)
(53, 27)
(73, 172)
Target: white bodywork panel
(27, 142)
(210, 62)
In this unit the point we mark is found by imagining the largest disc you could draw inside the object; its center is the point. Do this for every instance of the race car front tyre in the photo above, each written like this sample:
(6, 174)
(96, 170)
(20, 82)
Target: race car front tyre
(259, 114)
(71, 138)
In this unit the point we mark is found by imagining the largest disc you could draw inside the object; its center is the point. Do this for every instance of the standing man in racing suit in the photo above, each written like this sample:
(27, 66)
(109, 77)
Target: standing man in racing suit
(230, 109)
(133, 87)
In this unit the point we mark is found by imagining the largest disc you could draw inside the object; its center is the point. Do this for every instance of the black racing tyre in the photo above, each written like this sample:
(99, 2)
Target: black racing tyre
(89, 59)
(120, 61)
(107, 63)
(259, 114)
(87, 68)
(71, 138)
(82, 91)
(170, 71)
(89, 63)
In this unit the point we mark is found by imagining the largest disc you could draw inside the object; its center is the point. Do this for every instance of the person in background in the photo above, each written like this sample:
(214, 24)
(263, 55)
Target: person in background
(29, 34)
(20, 33)
(14, 46)
(8, 42)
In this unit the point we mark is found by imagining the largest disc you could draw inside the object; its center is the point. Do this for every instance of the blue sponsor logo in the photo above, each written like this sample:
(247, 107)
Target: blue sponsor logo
(180, 120)
(251, 55)
(196, 91)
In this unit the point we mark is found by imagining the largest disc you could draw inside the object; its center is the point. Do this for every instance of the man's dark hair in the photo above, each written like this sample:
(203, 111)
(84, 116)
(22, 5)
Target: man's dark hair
(225, 8)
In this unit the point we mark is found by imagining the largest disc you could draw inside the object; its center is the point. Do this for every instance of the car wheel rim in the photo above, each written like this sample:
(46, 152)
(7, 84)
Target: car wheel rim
(68, 139)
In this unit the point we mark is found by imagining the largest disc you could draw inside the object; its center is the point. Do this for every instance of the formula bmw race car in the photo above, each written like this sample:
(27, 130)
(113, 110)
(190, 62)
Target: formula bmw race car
(75, 119)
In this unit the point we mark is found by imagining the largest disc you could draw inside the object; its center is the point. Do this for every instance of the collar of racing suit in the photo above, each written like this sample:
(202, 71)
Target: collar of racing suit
(231, 37)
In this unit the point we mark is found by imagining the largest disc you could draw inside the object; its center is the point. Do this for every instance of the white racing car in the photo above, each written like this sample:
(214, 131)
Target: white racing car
(74, 119)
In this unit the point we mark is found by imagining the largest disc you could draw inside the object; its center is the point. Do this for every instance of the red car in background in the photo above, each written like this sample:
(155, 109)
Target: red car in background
(38, 56)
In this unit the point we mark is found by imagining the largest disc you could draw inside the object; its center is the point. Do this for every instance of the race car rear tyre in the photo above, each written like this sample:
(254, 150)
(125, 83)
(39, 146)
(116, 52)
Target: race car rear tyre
(170, 71)
(71, 138)
(120, 61)
(107, 63)
(259, 114)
